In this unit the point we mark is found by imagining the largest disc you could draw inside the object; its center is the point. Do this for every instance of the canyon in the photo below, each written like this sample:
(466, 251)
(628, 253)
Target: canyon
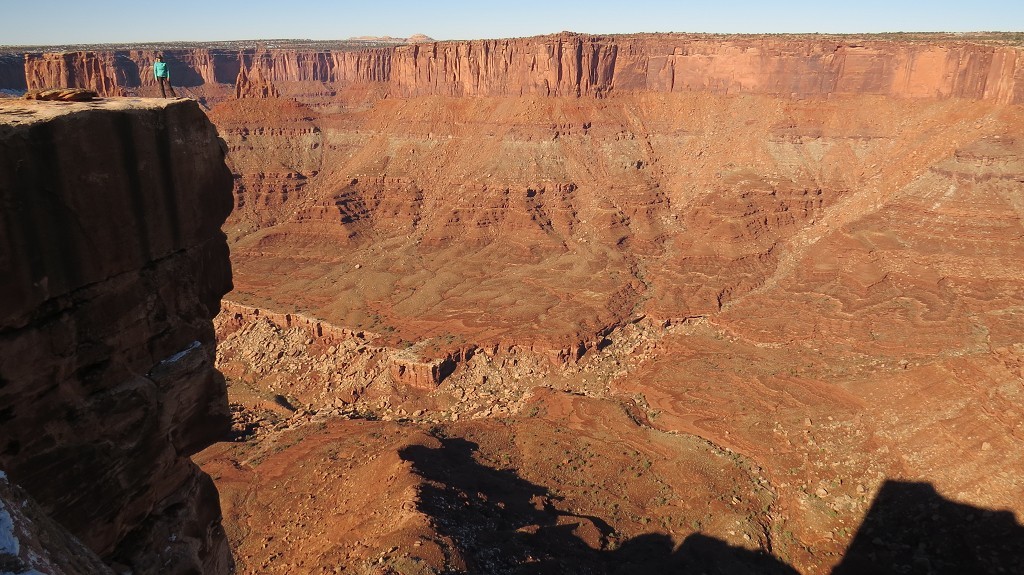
(612, 304)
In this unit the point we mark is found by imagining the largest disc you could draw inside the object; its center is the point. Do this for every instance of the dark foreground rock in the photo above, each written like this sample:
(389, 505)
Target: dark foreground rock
(113, 264)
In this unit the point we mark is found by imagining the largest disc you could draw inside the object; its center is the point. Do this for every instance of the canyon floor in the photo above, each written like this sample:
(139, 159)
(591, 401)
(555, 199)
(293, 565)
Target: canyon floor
(642, 333)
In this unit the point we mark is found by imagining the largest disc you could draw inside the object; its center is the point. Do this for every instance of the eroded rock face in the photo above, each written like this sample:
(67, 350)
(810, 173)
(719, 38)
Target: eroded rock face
(573, 65)
(566, 65)
(824, 289)
(113, 266)
(701, 298)
(121, 72)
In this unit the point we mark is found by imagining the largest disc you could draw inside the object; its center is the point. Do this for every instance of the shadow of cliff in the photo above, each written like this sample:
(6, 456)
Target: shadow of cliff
(910, 528)
(502, 523)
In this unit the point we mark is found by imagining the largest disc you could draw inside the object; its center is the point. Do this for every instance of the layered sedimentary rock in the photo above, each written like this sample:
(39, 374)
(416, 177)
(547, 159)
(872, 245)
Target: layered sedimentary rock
(567, 65)
(803, 254)
(101, 72)
(113, 266)
(204, 72)
(576, 65)
(557, 286)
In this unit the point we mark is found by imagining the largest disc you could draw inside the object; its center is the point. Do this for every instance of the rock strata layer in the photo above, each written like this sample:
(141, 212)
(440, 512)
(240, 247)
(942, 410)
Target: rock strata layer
(112, 268)
(619, 304)
(563, 64)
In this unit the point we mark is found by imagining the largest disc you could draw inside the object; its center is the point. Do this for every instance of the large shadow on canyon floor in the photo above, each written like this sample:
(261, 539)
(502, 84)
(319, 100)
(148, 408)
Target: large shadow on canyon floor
(910, 528)
(504, 524)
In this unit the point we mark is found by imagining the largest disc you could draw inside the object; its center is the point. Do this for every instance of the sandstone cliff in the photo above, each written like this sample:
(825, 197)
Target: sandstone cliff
(568, 65)
(113, 266)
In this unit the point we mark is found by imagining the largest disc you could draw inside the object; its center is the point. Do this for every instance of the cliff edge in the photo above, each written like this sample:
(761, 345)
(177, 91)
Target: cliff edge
(113, 264)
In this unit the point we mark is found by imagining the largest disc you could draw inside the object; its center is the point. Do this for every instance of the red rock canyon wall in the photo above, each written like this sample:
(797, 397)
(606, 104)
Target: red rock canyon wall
(572, 65)
(113, 266)
(586, 65)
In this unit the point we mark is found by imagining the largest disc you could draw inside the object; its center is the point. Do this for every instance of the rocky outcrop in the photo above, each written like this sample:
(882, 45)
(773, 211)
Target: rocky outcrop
(32, 542)
(113, 266)
(568, 65)
(272, 72)
(237, 315)
(98, 71)
(63, 95)
(409, 367)
(420, 366)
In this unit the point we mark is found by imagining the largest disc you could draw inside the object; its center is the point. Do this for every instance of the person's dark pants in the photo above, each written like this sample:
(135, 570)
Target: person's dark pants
(165, 81)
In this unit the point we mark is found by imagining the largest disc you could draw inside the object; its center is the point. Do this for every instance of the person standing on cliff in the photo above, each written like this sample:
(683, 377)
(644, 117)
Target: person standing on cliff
(163, 77)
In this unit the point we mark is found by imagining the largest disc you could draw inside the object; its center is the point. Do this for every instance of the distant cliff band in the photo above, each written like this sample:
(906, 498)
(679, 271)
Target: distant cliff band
(558, 65)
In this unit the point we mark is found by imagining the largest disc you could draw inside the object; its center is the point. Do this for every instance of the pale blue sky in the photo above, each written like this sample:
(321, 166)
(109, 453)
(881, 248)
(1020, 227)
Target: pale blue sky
(47, 22)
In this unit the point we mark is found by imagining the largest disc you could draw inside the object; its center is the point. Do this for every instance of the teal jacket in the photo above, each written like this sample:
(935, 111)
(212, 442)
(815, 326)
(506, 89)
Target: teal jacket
(160, 70)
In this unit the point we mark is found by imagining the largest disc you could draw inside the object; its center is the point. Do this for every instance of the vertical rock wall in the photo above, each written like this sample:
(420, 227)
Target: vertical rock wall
(111, 268)
(574, 65)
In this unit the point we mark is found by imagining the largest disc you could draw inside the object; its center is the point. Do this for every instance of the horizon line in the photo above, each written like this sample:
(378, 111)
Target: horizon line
(398, 40)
